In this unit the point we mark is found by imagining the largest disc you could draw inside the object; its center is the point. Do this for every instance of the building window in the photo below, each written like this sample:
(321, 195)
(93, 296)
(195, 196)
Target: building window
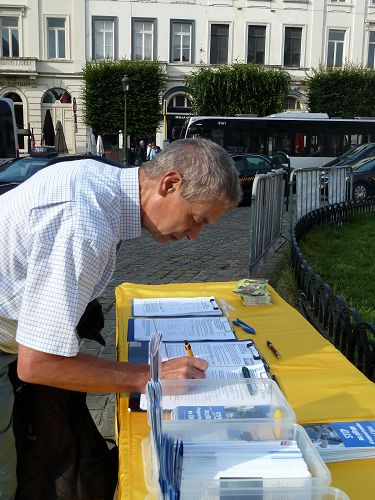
(104, 38)
(144, 39)
(256, 44)
(335, 50)
(219, 43)
(182, 41)
(292, 47)
(56, 38)
(57, 94)
(9, 37)
(179, 103)
(292, 104)
(371, 50)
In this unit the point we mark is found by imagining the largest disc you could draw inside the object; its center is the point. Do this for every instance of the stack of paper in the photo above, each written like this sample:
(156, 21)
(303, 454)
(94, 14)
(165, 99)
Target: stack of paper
(226, 362)
(243, 459)
(179, 329)
(196, 306)
(225, 359)
(340, 441)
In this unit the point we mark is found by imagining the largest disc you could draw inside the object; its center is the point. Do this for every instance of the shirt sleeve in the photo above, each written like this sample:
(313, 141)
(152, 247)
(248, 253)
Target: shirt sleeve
(61, 276)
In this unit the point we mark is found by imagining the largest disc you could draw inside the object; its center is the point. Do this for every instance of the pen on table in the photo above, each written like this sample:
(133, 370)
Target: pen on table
(188, 348)
(246, 374)
(273, 349)
(245, 327)
(226, 305)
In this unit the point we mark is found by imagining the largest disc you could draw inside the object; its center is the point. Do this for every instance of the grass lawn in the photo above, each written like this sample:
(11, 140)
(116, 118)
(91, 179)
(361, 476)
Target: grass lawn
(345, 258)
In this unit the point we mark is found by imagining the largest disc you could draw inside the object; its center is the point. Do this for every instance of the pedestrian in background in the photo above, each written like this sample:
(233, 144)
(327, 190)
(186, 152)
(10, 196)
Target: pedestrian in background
(140, 155)
(153, 151)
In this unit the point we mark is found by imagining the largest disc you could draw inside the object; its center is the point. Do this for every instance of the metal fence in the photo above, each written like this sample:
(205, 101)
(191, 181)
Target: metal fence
(266, 216)
(327, 312)
(312, 188)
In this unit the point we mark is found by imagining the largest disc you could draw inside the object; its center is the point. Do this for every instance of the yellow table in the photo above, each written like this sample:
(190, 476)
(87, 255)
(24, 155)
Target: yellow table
(317, 380)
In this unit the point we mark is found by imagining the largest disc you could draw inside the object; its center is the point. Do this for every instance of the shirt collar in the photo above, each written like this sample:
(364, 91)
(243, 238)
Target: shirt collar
(130, 221)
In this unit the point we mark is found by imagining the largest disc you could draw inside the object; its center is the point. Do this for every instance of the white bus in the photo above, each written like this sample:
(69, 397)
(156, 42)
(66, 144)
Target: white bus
(310, 139)
(8, 130)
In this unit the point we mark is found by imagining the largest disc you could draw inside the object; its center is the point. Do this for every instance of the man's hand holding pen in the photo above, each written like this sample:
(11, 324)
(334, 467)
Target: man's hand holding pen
(184, 367)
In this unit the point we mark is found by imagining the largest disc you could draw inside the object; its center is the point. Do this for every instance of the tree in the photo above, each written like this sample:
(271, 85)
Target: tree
(347, 92)
(238, 89)
(104, 98)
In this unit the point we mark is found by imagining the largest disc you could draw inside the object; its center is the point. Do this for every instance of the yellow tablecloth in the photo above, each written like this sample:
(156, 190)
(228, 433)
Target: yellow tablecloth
(317, 380)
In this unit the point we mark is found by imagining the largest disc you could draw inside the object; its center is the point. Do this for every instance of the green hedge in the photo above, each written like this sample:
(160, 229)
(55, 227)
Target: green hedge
(347, 92)
(104, 98)
(238, 89)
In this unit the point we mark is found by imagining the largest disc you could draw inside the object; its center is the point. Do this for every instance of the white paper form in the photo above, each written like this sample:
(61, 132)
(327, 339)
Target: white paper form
(196, 306)
(225, 361)
(217, 354)
(180, 329)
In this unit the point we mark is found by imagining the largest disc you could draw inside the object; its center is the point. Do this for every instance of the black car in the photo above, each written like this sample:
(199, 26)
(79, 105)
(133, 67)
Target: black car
(248, 165)
(353, 155)
(364, 178)
(14, 172)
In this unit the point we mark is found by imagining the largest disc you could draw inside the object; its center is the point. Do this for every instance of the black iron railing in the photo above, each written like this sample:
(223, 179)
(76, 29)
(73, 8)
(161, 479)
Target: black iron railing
(327, 312)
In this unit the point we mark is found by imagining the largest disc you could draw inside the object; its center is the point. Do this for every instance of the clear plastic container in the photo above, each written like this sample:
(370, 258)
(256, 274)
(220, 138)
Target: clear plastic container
(208, 400)
(242, 489)
(256, 430)
(223, 490)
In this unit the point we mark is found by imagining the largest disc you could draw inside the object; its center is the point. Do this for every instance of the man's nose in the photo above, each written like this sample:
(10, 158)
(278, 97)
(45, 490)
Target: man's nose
(193, 232)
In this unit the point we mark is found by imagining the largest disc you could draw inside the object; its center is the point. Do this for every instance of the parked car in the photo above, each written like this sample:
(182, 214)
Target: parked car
(363, 172)
(248, 165)
(353, 155)
(364, 178)
(14, 172)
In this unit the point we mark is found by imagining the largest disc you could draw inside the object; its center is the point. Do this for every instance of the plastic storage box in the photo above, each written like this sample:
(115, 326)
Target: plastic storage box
(209, 400)
(248, 430)
(241, 489)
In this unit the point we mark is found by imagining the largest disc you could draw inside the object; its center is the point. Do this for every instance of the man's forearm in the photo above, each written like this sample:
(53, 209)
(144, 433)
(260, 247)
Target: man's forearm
(81, 373)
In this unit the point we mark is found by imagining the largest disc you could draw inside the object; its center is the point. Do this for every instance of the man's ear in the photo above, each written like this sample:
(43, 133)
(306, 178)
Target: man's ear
(170, 182)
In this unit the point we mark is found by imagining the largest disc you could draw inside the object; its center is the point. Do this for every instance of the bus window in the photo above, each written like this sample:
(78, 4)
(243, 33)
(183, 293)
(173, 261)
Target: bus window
(8, 131)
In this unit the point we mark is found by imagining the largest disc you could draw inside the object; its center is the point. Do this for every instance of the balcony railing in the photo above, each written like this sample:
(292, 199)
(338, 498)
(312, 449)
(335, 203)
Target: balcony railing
(20, 66)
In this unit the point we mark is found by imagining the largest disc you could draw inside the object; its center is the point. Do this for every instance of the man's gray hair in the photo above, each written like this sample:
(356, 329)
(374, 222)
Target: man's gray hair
(207, 170)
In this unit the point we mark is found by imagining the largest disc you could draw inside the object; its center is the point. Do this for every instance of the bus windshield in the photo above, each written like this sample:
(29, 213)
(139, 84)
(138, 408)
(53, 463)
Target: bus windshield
(8, 131)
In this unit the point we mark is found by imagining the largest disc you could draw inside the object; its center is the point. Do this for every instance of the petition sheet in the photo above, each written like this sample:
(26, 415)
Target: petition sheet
(180, 329)
(196, 306)
(217, 354)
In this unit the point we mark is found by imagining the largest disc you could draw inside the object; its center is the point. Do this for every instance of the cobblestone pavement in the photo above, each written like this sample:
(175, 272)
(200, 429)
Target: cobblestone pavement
(220, 254)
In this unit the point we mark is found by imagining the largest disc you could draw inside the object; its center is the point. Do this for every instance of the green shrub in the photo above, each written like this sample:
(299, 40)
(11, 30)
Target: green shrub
(238, 89)
(104, 98)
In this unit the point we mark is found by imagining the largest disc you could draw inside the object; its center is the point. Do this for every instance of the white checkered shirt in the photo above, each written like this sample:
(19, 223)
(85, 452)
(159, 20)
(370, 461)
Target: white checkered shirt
(58, 236)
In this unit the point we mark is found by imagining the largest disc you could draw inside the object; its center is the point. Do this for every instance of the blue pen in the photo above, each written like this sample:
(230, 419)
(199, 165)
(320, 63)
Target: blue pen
(245, 327)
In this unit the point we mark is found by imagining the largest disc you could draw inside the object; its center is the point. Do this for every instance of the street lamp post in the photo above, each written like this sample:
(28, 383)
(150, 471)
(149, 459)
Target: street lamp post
(125, 87)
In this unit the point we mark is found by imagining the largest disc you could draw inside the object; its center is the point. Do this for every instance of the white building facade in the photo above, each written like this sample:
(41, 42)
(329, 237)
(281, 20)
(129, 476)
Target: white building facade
(45, 43)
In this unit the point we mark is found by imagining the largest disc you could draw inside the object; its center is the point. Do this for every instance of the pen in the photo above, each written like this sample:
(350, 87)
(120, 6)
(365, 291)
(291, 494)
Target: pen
(246, 374)
(245, 327)
(273, 349)
(188, 348)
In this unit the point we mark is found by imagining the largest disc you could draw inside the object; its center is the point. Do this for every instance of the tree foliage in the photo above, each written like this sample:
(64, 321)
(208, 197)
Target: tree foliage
(348, 91)
(103, 96)
(238, 89)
